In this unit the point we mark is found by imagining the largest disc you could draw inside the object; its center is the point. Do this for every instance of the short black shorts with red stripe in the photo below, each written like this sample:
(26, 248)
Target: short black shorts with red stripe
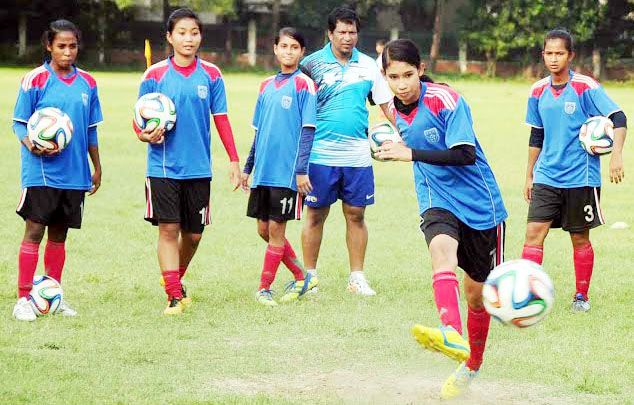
(52, 206)
(479, 251)
(178, 201)
(572, 209)
(276, 203)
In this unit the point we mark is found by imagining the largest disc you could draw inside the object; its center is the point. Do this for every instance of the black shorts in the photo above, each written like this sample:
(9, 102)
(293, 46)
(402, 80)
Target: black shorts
(178, 201)
(478, 251)
(276, 203)
(52, 206)
(573, 209)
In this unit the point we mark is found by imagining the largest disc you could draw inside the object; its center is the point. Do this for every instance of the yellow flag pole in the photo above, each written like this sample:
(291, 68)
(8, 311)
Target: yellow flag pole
(148, 53)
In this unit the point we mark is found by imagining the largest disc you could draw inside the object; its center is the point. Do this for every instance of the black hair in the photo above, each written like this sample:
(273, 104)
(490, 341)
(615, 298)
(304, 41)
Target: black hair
(403, 50)
(343, 14)
(292, 33)
(180, 14)
(560, 34)
(58, 26)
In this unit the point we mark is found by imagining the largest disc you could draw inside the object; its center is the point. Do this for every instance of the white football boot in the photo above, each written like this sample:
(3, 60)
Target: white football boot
(65, 309)
(357, 284)
(23, 311)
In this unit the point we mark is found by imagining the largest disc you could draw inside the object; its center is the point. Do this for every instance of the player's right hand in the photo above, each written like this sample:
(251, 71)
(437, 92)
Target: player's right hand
(244, 182)
(37, 151)
(528, 189)
(154, 136)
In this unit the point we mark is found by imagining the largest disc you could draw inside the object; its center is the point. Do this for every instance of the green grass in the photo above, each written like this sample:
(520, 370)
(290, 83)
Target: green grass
(335, 349)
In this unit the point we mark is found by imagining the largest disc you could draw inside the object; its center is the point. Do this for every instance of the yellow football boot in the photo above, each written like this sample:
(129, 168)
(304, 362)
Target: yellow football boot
(174, 307)
(458, 382)
(295, 289)
(444, 339)
(265, 297)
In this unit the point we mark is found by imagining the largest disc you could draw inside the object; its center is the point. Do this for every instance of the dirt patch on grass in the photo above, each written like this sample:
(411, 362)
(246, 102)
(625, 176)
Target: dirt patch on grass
(388, 387)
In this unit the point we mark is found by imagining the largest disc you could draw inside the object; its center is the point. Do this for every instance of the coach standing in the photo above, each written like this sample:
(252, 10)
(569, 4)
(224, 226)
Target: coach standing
(340, 163)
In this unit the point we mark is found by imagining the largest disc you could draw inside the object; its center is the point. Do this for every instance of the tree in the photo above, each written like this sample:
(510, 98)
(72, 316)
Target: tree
(435, 43)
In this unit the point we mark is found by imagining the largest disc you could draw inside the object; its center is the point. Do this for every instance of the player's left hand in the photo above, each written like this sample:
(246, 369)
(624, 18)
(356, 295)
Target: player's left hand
(96, 182)
(617, 173)
(234, 175)
(394, 151)
(244, 181)
(303, 184)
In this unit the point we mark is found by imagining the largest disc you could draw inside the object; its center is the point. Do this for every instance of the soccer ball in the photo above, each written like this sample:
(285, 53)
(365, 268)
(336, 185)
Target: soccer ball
(154, 110)
(49, 128)
(382, 133)
(519, 293)
(596, 135)
(46, 295)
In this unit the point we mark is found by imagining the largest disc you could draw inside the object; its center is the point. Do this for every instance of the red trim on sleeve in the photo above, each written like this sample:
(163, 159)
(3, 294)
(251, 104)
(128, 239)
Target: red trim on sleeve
(265, 83)
(92, 83)
(226, 136)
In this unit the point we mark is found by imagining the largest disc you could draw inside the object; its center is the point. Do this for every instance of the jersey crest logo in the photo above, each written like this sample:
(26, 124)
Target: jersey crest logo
(84, 99)
(570, 107)
(432, 135)
(202, 92)
(286, 102)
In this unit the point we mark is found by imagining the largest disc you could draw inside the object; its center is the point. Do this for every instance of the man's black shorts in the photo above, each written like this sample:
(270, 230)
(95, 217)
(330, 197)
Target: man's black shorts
(52, 206)
(478, 251)
(573, 209)
(178, 201)
(276, 203)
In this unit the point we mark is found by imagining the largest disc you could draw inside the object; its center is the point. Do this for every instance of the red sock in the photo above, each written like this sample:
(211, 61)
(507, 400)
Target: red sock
(446, 295)
(292, 262)
(272, 260)
(478, 329)
(54, 258)
(533, 253)
(584, 262)
(27, 263)
(181, 271)
(173, 286)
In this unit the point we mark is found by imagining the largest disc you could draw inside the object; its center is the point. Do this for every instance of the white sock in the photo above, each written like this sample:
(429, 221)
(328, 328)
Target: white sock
(357, 275)
(312, 272)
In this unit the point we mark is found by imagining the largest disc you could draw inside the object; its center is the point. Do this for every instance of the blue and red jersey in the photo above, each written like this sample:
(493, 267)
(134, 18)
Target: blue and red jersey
(76, 95)
(442, 120)
(286, 104)
(197, 91)
(561, 113)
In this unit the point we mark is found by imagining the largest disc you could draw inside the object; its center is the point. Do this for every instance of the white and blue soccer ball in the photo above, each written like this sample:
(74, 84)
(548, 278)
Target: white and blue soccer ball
(381, 133)
(46, 295)
(49, 128)
(154, 110)
(519, 293)
(596, 135)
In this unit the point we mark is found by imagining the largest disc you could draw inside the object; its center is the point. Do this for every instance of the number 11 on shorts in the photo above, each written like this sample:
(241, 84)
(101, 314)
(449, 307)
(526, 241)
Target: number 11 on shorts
(285, 200)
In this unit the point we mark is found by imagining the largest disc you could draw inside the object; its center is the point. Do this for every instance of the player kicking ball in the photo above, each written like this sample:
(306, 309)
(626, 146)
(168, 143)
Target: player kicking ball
(563, 182)
(284, 123)
(462, 213)
(54, 183)
(179, 162)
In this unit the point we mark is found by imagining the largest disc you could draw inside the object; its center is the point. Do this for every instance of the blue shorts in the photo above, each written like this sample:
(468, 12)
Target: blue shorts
(352, 185)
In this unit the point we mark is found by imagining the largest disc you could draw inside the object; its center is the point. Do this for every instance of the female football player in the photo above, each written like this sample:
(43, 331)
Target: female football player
(563, 182)
(54, 183)
(284, 123)
(462, 213)
(179, 161)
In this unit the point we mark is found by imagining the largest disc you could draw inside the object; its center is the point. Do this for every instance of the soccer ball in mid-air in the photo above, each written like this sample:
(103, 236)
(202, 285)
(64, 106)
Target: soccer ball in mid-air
(519, 293)
(46, 295)
(380, 134)
(49, 128)
(596, 135)
(154, 110)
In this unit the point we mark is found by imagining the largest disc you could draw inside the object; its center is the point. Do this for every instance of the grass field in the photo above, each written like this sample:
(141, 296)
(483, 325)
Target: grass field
(336, 348)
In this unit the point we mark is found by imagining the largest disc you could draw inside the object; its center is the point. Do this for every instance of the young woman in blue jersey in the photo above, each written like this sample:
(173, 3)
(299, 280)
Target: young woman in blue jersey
(179, 161)
(563, 182)
(54, 183)
(462, 213)
(284, 122)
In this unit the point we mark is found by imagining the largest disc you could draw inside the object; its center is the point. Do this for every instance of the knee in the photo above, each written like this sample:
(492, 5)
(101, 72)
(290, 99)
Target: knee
(535, 234)
(315, 220)
(34, 232)
(473, 295)
(169, 231)
(355, 218)
(263, 230)
(579, 239)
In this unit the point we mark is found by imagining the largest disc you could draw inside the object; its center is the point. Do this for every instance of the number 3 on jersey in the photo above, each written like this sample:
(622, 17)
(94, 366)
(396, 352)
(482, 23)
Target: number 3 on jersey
(589, 213)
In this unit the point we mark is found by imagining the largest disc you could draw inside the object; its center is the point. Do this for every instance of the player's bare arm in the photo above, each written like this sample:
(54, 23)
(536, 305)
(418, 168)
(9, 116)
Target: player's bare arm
(617, 172)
